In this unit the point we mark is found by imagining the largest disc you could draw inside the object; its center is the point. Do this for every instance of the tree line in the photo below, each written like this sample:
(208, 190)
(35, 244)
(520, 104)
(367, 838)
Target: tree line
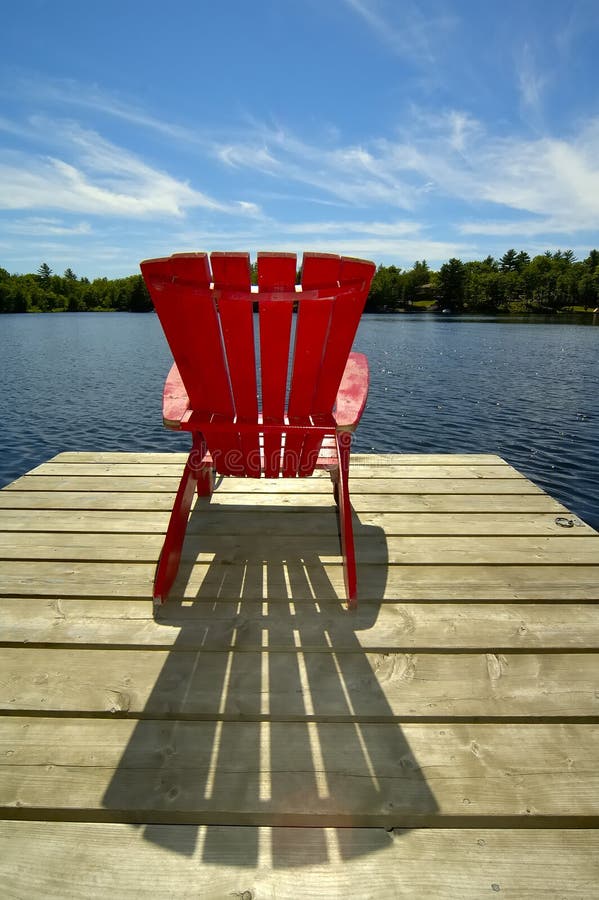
(552, 282)
(45, 291)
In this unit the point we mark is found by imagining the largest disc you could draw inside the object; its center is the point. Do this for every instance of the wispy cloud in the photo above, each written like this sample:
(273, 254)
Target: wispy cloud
(30, 182)
(98, 178)
(63, 92)
(578, 18)
(401, 249)
(553, 179)
(531, 84)
(378, 229)
(355, 175)
(36, 226)
(403, 27)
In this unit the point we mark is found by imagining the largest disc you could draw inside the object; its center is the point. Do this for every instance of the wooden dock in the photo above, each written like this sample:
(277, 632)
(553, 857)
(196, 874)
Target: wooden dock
(441, 742)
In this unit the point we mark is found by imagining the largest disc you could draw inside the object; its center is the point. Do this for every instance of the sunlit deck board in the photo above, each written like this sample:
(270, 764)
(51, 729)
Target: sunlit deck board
(108, 861)
(227, 625)
(462, 695)
(356, 687)
(304, 579)
(245, 550)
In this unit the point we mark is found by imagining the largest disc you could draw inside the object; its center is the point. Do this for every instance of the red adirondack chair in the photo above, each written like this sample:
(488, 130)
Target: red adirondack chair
(280, 402)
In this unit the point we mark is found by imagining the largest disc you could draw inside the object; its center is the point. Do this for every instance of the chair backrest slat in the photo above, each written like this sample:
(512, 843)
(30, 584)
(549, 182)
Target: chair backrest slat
(237, 320)
(231, 271)
(311, 333)
(320, 270)
(178, 313)
(192, 268)
(345, 319)
(276, 272)
(207, 308)
(275, 337)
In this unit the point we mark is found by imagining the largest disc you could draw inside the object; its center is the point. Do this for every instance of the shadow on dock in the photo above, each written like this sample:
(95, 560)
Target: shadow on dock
(268, 712)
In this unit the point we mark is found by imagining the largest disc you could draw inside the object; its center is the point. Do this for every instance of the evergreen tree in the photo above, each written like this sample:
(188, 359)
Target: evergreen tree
(44, 272)
(452, 284)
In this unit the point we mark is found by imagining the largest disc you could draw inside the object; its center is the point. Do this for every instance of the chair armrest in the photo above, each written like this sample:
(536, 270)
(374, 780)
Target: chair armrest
(175, 402)
(353, 391)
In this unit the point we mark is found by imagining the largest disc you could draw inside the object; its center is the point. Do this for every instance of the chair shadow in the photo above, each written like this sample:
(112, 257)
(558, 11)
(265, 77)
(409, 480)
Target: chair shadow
(267, 704)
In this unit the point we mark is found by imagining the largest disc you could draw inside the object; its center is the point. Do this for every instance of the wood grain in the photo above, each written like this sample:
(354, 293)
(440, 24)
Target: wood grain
(214, 518)
(216, 862)
(332, 686)
(387, 775)
(250, 625)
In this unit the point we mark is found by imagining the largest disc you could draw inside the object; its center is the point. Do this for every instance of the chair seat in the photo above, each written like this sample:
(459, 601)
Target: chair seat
(348, 409)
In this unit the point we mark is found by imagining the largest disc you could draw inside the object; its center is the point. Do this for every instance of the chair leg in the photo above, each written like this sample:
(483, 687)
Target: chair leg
(204, 471)
(345, 519)
(194, 477)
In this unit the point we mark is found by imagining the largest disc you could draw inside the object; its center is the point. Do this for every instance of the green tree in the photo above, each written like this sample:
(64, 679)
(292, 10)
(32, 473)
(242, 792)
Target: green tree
(592, 260)
(415, 280)
(44, 272)
(485, 287)
(139, 299)
(508, 262)
(452, 284)
(385, 290)
(514, 262)
(588, 289)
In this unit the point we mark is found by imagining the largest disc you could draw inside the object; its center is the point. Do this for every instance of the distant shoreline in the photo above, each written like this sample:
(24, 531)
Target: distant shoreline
(551, 283)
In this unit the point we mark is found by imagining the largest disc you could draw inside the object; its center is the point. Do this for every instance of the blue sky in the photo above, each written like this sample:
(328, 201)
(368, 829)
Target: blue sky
(391, 130)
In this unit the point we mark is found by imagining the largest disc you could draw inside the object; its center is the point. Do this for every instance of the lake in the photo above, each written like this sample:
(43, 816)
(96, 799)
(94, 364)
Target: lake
(526, 389)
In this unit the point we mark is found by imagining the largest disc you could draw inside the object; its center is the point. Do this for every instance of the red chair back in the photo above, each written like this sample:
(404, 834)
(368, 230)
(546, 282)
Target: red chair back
(262, 389)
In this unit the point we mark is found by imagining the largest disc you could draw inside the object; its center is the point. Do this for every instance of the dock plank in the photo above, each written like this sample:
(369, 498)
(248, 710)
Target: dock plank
(359, 686)
(108, 860)
(228, 625)
(244, 773)
(236, 520)
(303, 580)
(370, 548)
(359, 472)
(488, 504)
(381, 459)
(285, 581)
(289, 488)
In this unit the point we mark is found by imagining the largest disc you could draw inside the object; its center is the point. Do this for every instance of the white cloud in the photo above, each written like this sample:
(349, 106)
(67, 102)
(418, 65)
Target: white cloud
(400, 242)
(551, 177)
(401, 251)
(104, 179)
(531, 83)
(39, 226)
(555, 180)
(253, 157)
(28, 182)
(380, 229)
(68, 92)
(403, 28)
(355, 175)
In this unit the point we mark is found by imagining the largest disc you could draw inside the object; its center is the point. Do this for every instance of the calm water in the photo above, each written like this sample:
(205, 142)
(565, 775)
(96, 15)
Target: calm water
(526, 390)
